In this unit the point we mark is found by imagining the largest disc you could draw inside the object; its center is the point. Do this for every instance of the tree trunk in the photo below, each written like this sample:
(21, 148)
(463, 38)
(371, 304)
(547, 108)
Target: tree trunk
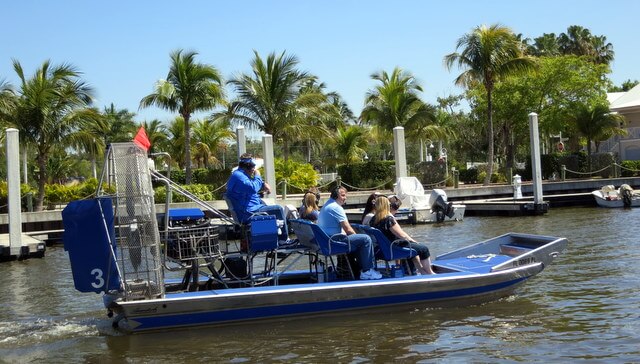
(25, 171)
(187, 149)
(589, 155)
(285, 152)
(487, 178)
(509, 148)
(42, 179)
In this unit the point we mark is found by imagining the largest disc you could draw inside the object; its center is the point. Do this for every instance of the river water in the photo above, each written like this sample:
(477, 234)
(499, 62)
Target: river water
(584, 307)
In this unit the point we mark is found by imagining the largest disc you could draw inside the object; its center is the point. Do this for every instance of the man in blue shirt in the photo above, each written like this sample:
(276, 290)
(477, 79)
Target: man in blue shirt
(333, 220)
(243, 193)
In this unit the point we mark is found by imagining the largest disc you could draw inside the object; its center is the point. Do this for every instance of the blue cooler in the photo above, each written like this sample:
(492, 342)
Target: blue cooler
(264, 233)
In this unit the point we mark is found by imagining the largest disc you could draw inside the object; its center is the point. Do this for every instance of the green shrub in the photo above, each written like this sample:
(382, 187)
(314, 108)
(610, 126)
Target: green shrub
(496, 177)
(630, 168)
(57, 194)
(469, 176)
(299, 176)
(431, 173)
(370, 174)
(199, 190)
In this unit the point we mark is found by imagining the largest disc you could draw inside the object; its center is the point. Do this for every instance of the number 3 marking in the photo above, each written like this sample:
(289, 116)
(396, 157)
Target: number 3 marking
(98, 276)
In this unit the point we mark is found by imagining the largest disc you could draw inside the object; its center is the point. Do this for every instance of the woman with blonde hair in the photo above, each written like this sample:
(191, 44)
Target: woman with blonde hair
(309, 209)
(384, 221)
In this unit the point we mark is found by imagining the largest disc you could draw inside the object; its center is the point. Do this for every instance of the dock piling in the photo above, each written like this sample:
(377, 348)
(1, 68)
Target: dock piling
(20, 245)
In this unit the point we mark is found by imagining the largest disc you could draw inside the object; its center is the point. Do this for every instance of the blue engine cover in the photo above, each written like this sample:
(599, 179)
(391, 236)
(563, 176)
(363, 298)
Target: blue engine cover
(88, 233)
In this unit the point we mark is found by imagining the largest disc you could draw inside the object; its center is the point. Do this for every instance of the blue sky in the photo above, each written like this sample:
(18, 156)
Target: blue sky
(122, 47)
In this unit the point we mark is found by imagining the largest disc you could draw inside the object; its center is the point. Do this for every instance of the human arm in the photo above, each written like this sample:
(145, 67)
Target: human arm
(265, 187)
(399, 232)
(240, 182)
(346, 227)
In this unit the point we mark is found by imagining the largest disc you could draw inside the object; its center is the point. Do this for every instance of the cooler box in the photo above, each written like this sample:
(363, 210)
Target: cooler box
(264, 233)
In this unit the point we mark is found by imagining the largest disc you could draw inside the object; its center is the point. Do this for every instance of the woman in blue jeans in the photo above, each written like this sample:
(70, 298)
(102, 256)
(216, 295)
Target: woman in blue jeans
(384, 221)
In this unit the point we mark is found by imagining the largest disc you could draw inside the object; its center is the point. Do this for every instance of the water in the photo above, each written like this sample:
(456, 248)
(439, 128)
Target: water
(584, 307)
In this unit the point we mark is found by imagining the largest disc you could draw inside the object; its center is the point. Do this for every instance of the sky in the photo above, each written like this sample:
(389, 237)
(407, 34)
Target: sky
(122, 47)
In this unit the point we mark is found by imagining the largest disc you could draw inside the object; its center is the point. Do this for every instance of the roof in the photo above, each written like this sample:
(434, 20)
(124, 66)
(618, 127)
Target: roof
(624, 100)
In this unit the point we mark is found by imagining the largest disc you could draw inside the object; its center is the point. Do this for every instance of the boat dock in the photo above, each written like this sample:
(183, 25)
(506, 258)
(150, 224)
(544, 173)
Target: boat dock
(29, 247)
(494, 200)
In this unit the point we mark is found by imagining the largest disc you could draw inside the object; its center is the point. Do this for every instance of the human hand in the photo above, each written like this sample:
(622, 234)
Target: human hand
(266, 188)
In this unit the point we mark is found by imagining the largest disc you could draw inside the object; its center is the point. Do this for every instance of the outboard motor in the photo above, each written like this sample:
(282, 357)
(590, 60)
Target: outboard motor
(440, 206)
(626, 192)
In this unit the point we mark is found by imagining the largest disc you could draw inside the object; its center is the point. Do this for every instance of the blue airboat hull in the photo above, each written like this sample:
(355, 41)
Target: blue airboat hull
(216, 307)
(479, 273)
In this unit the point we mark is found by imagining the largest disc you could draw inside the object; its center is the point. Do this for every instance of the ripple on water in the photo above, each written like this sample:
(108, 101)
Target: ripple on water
(27, 333)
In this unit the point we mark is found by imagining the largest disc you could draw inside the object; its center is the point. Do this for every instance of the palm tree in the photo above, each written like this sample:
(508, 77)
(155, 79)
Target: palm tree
(176, 148)
(602, 51)
(7, 102)
(350, 144)
(274, 100)
(545, 46)
(488, 53)
(597, 123)
(580, 42)
(157, 134)
(211, 136)
(51, 106)
(395, 101)
(190, 87)
(122, 126)
(111, 126)
(576, 41)
(91, 138)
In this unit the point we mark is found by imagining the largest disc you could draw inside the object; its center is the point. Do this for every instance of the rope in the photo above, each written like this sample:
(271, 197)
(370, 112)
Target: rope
(436, 183)
(294, 186)
(627, 168)
(366, 189)
(326, 184)
(219, 188)
(587, 173)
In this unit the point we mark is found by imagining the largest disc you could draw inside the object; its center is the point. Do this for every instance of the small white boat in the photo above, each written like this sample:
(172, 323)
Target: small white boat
(158, 276)
(423, 208)
(609, 196)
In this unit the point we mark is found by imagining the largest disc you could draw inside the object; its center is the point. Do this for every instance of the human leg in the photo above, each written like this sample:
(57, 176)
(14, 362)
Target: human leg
(361, 243)
(422, 261)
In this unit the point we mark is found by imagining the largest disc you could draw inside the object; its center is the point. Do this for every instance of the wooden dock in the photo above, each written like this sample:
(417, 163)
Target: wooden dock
(29, 247)
(493, 200)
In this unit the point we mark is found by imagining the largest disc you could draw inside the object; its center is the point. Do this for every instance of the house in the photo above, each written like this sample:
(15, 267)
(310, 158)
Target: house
(626, 104)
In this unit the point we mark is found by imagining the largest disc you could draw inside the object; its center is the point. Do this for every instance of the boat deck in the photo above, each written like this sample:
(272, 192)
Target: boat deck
(463, 266)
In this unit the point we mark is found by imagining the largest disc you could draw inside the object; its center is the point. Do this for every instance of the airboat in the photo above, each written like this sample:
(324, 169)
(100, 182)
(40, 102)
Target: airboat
(196, 266)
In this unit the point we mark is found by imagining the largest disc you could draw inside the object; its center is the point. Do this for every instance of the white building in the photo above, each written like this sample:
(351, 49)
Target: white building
(626, 104)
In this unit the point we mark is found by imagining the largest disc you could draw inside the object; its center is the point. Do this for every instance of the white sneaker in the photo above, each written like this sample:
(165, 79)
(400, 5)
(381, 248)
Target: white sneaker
(370, 274)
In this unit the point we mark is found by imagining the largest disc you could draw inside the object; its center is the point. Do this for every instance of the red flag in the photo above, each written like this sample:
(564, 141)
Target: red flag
(142, 140)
